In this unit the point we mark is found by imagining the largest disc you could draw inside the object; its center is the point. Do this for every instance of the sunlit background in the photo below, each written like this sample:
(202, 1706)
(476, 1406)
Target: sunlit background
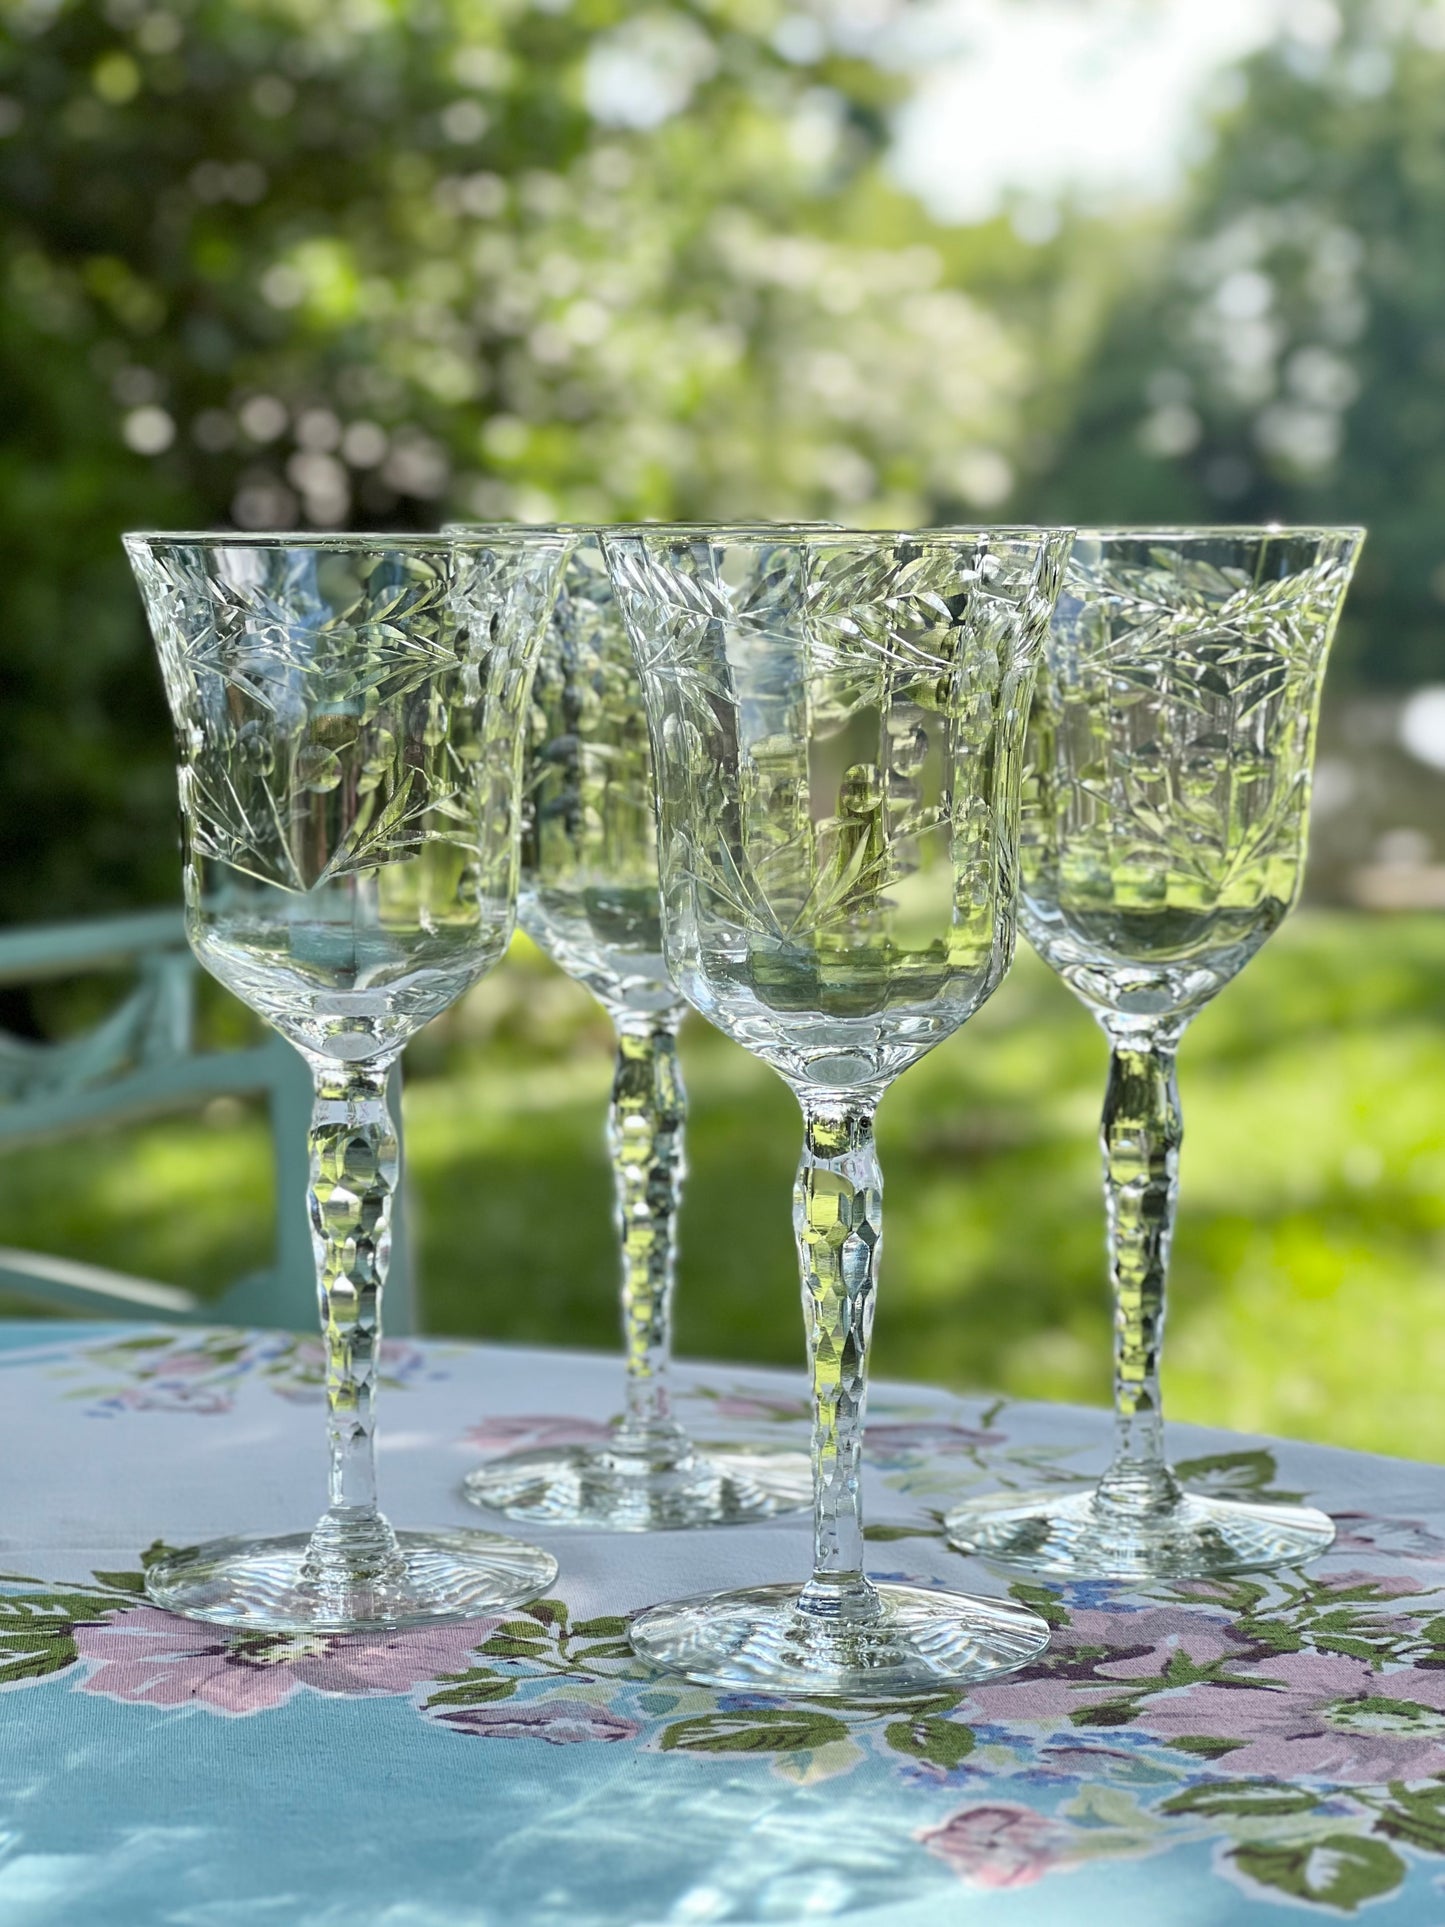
(371, 262)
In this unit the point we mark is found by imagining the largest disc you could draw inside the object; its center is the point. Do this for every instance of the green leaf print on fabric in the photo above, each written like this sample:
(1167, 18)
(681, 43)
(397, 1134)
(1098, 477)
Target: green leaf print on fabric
(1342, 1871)
(941, 1743)
(762, 1729)
(1252, 1797)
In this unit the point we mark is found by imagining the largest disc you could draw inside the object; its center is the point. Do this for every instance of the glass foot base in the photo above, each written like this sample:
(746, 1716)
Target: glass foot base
(1077, 1536)
(613, 1490)
(259, 1582)
(757, 1639)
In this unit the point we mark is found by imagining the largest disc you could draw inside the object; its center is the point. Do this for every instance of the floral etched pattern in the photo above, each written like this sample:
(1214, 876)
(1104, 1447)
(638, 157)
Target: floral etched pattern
(1171, 749)
(866, 699)
(331, 701)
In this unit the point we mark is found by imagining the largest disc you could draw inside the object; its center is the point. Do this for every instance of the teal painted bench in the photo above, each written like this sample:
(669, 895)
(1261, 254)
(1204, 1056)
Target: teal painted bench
(142, 1060)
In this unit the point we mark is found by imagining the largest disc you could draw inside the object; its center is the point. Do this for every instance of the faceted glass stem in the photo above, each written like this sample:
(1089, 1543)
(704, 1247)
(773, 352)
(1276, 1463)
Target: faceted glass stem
(647, 1476)
(355, 1169)
(1138, 1522)
(645, 1137)
(838, 1220)
(352, 1572)
(841, 1634)
(1140, 1137)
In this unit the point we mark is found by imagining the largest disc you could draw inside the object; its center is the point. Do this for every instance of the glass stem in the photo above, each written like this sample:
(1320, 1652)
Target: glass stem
(644, 1135)
(838, 1219)
(1140, 1138)
(355, 1167)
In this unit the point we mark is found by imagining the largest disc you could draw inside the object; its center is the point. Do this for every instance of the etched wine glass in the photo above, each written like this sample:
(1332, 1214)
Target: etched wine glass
(348, 718)
(589, 898)
(837, 722)
(1165, 814)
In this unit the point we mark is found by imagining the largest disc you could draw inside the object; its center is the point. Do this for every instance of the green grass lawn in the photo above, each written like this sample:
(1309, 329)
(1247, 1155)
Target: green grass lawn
(1309, 1265)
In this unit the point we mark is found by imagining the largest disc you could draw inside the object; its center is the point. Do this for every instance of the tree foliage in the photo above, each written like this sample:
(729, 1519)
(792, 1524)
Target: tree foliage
(325, 262)
(1283, 356)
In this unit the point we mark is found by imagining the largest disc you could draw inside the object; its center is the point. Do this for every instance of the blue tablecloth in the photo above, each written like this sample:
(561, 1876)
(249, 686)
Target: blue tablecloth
(1187, 1754)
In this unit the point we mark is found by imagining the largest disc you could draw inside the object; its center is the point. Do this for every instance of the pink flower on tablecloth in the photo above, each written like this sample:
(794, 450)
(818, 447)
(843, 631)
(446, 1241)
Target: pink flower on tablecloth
(927, 1435)
(183, 1364)
(1401, 1538)
(561, 1722)
(204, 1376)
(161, 1395)
(150, 1657)
(534, 1431)
(771, 1408)
(1098, 1649)
(300, 1376)
(1316, 1716)
(1144, 1642)
(1393, 1585)
(1036, 1700)
(1000, 1845)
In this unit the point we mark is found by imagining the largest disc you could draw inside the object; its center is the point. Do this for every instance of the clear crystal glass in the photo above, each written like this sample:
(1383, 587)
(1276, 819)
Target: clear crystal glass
(1165, 813)
(348, 715)
(589, 898)
(837, 723)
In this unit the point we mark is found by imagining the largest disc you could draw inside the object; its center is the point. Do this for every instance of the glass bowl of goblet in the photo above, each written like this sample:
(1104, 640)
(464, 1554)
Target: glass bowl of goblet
(837, 720)
(1165, 814)
(589, 899)
(348, 718)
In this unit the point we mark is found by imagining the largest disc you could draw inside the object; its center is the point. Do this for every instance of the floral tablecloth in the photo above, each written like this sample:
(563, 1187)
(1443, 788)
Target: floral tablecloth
(1191, 1754)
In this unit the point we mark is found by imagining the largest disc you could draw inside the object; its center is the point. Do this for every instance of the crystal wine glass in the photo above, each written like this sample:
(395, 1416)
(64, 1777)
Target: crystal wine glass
(1164, 823)
(589, 898)
(348, 722)
(837, 722)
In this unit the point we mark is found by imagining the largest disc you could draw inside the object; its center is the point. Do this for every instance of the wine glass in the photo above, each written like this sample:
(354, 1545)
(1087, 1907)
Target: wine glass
(589, 898)
(348, 723)
(1164, 823)
(837, 722)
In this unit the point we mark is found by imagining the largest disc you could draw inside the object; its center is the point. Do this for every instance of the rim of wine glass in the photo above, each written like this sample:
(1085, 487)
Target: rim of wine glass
(653, 528)
(1214, 531)
(834, 532)
(759, 529)
(341, 540)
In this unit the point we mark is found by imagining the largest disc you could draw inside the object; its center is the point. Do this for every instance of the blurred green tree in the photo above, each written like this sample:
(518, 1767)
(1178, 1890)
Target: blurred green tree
(1281, 351)
(359, 262)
